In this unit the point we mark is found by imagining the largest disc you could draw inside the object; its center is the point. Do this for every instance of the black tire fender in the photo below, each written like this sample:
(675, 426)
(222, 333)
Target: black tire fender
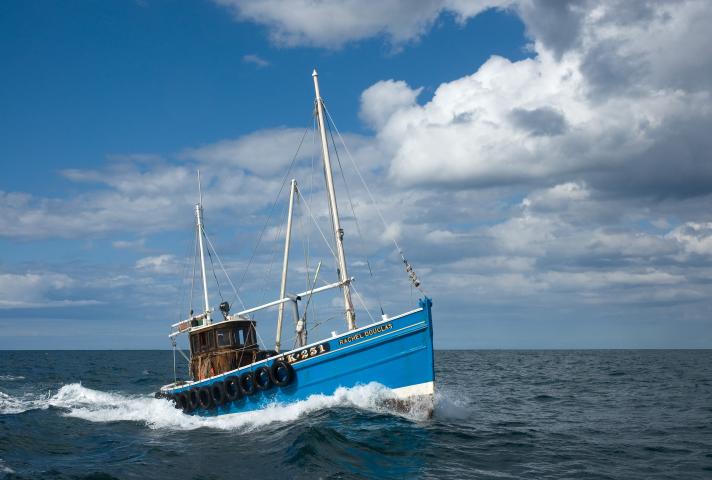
(181, 401)
(217, 393)
(247, 383)
(282, 373)
(232, 389)
(262, 377)
(205, 399)
(192, 399)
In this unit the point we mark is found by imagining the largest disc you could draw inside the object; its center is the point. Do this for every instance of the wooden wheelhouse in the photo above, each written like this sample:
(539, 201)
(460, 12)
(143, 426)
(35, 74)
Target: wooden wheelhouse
(220, 347)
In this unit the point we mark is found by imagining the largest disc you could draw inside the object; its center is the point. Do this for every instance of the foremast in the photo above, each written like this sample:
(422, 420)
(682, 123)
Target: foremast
(201, 246)
(334, 211)
(285, 266)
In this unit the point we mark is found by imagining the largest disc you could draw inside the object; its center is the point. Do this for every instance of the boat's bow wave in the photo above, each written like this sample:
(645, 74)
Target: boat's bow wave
(76, 400)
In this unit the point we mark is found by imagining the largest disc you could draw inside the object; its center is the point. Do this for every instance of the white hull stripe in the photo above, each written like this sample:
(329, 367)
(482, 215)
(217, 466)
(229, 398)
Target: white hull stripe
(420, 389)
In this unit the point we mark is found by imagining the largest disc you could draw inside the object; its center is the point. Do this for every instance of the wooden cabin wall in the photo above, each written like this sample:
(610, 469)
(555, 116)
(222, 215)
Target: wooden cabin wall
(208, 364)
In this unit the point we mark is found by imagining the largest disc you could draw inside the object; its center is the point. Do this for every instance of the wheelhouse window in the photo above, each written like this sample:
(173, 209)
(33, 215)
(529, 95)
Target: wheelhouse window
(223, 337)
(244, 336)
(240, 336)
(207, 340)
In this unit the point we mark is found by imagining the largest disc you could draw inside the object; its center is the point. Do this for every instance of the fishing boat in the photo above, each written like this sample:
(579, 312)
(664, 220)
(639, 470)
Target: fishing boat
(230, 372)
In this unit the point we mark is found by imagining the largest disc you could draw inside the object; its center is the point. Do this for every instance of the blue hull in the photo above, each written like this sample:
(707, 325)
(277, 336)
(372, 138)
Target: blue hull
(396, 352)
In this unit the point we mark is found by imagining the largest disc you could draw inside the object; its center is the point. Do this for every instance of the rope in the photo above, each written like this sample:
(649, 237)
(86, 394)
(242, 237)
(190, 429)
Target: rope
(409, 269)
(225, 272)
(192, 279)
(264, 227)
(212, 266)
(353, 212)
(319, 229)
(363, 304)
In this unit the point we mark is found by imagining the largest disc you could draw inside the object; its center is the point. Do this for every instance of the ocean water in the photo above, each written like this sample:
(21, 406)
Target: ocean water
(499, 414)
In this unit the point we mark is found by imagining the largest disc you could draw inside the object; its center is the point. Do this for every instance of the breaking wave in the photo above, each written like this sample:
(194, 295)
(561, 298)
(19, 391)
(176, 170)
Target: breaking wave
(14, 405)
(75, 400)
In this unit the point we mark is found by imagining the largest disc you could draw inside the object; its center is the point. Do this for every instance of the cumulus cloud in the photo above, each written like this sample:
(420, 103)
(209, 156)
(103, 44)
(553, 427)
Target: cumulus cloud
(381, 100)
(694, 238)
(554, 116)
(263, 153)
(38, 290)
(579, 176)
(332, 24)
(161, 264)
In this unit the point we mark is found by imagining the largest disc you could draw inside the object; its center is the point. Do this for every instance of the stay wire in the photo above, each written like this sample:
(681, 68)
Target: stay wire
(225, 272)
(212, 266)
(276, 200)
(373, 201)
(184, 277)
(353, 212)
(316, 224)
(192, 279)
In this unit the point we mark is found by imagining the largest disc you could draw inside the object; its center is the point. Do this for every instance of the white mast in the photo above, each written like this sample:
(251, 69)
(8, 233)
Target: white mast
(338, 231)
(199, 227)
(285, 264)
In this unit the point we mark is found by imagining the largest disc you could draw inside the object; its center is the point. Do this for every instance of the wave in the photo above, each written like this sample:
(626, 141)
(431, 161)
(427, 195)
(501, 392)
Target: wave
(10, 378)
(4, 469)
(451, 405)
(78, 401)
(13, 405)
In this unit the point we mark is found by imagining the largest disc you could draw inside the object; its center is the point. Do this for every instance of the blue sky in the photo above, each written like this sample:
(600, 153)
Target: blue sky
(546, 167)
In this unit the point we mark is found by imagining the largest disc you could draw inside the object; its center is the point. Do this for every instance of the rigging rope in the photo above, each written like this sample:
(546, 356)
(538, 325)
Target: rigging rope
(192, 279)
(259, 239)
(409, 269)
(319, 229)
(363, 304)
(353, 212)
(212, 266)
(225, 272)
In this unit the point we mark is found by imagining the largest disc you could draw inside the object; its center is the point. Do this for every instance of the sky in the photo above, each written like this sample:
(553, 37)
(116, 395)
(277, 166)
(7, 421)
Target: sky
(545, 166)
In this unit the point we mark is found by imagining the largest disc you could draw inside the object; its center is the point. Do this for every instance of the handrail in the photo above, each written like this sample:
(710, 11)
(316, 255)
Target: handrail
(276, 302)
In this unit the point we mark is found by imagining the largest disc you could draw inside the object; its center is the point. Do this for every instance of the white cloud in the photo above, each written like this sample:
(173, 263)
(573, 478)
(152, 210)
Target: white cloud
(255, 60)
(165, 264)
(37, 290)
(381, 100)
(694, 238)
(264, 153)
(566, 113)
(579, 176)
(332, 24)
(137, 244)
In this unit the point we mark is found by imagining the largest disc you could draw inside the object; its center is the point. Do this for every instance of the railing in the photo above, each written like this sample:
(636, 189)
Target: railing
(184, 325)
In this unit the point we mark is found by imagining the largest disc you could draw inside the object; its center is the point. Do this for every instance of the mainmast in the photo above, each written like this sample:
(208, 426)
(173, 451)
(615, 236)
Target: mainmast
(338, 231)
(285, 265)
(199, 227)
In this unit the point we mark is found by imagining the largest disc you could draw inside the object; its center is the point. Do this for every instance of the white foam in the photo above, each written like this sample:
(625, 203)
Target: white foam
(78, 401)
(97, 406)
(451, 405)
(4, 469)
(13, 405)
(10, 378)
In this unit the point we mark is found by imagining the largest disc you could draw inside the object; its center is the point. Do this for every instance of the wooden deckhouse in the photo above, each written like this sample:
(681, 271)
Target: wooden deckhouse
(220, 347)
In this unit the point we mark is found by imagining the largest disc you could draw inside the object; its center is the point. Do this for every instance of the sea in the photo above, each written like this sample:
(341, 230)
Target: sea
(598, 414)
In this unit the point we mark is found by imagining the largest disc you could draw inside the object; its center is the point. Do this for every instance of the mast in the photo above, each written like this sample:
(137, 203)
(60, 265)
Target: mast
(285, 264)
(338, 231)
(199, 227)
